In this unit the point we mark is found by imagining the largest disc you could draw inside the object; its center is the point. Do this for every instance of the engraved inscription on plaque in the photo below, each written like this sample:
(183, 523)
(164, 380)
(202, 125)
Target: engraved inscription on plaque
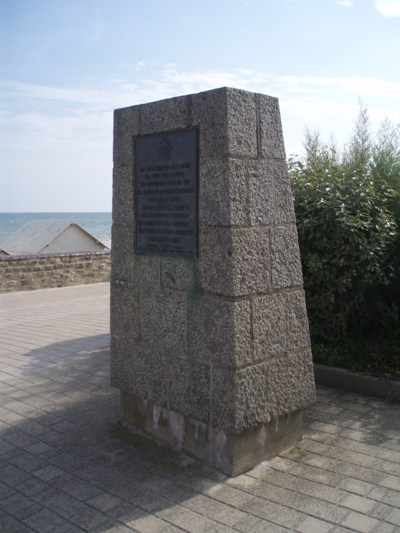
(166, 170)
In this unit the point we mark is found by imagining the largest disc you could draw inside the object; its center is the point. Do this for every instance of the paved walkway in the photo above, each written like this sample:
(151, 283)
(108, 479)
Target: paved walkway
(66, 465)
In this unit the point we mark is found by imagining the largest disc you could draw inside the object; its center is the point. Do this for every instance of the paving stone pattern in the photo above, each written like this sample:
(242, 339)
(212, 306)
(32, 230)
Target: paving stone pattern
(67, 466)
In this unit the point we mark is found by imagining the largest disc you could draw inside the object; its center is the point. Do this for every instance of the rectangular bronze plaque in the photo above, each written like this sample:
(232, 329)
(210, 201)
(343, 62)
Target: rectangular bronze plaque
(166, 177)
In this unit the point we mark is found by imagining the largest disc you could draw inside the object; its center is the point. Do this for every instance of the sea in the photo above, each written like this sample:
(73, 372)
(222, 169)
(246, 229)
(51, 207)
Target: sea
(97, 224)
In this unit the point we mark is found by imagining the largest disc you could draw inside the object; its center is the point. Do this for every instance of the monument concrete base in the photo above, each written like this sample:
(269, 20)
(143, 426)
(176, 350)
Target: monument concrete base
(231, 453)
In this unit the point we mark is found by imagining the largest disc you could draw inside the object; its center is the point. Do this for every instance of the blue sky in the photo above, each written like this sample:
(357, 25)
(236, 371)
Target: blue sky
(66, 64)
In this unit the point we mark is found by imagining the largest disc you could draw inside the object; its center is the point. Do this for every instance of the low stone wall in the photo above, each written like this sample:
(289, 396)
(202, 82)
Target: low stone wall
(40, 271)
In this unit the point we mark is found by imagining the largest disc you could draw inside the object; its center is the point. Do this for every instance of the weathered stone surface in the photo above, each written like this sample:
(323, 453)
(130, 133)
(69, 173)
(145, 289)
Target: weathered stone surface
(122, 257)
(261, 192)
(149, 374)
(269, 326)
(179, 273)
(189, 388)
(286, 264)
(121, 363)
(271, 133)
(227, 120)
(126, 125)
(123, 204)
(149, 269)
(290, 381)
(239, 398)
(124, 312)
(164, 115)
(297, 322)
(284, 208)
(164, 319)
(242, 123)
(219, 331)
(231, 453)
(235, 261)
(223, 196)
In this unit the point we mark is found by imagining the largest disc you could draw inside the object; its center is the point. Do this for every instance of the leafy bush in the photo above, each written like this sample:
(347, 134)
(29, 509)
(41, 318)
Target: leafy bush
(348, 226)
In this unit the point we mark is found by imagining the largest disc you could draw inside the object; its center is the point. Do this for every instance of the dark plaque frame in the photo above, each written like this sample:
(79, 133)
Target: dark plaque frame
(166, 193)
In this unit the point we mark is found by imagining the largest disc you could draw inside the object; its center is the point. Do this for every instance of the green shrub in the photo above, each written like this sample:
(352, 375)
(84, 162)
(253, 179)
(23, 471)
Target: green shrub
(345, 206)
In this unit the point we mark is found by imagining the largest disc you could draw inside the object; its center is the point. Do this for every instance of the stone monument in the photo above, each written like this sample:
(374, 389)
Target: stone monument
(209, 333)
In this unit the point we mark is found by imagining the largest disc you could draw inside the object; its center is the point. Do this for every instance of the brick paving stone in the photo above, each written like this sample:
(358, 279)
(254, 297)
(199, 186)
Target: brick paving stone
(381, 511)
(360, 522)
(27, 462)
(190, 521)
(31, 487)
(47, 521)
(59, 502)
(81, 490)
(358, 503)
(259, 525)
(10, 524)
(104, 502)
(301, 502)
(273, 512)
(391, 482)
(18, 505)
(89, 519)
(48, 472)
(384, 527)
(394, 517)
(220, 512)
(12, 475)
(314, 525)
(385, 495)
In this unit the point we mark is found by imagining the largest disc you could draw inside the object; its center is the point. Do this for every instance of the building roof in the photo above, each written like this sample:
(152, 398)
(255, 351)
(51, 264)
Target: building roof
(34, 236)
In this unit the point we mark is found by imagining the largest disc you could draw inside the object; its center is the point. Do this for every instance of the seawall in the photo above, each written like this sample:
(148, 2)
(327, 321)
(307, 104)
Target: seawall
(41, 271)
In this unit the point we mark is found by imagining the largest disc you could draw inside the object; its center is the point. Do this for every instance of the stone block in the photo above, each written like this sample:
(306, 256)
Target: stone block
(149, 269)
(284, 207)
(164, 319)
(121, 363)
(123, 204)
(124, 311)
(126, 125)
(231, 453)
(149, 374)
(235, 261)
(122, 255)
(223, 196)
(227, 120)
(290, 382)
(271, 133)
(269, 325)
(219, 331)
(285, 255)
(297, 322)
(165, 115)
(179, 273)
(261, 192)
(189, 388)
(239, 398)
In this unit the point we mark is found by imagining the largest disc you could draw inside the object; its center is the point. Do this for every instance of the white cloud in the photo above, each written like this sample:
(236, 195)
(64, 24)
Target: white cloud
(358, 86)
(345, 3)
(54, 134)
(388, 8)
(140, 65)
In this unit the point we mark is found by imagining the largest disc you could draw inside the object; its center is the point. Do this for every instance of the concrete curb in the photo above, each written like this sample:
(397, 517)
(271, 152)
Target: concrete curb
(342, 379)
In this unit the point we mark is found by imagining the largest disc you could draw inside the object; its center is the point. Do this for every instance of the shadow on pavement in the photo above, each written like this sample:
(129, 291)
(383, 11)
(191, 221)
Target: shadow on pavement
(65, 460)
